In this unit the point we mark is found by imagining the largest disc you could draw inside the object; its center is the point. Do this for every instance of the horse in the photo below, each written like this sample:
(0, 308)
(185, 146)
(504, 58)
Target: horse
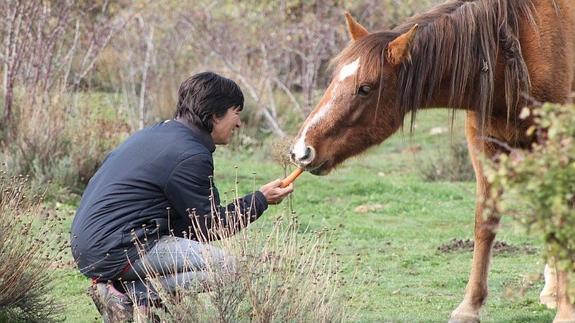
(489, 58)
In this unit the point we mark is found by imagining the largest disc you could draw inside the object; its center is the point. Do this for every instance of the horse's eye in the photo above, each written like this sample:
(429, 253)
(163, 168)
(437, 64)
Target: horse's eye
(363, 90)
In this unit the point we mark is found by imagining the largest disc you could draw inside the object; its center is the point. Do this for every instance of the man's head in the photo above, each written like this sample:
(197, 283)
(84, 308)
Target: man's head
(212, 103)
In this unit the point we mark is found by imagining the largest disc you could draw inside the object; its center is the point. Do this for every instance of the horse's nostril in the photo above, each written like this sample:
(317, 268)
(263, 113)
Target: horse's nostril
(307, 154)
(302, 156)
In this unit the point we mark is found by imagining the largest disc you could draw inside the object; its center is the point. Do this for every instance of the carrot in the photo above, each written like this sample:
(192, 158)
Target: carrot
(291, 177)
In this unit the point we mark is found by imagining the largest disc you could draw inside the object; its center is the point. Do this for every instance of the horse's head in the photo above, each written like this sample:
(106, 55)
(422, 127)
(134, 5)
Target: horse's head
(359, 109)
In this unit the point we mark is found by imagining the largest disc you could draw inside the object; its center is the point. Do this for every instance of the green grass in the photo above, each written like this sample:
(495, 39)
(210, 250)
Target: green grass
(390, 256)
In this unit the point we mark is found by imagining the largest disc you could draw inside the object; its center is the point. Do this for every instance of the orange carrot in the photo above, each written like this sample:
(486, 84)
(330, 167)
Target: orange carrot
(291, 177)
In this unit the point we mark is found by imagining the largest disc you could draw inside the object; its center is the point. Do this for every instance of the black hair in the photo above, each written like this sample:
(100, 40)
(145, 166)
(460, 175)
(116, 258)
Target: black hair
(207, 94)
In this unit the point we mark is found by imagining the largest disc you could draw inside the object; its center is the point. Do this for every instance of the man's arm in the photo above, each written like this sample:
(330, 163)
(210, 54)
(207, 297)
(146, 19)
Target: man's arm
(196, 200)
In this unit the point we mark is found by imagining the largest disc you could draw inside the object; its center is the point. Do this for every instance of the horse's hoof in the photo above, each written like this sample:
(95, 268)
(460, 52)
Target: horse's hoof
(464, 318)
(548, 300)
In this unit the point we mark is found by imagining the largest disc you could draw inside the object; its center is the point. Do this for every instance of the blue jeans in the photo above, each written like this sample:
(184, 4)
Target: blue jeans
(175, 263)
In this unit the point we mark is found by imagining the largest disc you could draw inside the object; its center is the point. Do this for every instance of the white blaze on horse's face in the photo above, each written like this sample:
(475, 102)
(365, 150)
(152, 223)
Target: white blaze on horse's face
(301, 153)
(348, 70)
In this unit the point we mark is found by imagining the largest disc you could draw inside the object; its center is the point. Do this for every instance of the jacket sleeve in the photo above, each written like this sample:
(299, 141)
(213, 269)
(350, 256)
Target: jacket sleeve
(196, 202)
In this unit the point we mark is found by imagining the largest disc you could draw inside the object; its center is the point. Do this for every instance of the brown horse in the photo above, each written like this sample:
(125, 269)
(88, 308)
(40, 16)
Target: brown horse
(487, 57)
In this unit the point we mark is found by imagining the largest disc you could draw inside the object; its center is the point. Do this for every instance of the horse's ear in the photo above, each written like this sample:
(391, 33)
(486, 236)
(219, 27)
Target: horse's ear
(356, 30)
(398, 49)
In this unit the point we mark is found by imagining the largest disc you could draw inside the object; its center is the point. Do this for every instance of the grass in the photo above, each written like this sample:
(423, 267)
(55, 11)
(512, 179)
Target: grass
(386, 225)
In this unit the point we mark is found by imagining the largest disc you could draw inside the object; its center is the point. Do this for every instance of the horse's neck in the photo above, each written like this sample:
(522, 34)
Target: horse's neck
(442, 96)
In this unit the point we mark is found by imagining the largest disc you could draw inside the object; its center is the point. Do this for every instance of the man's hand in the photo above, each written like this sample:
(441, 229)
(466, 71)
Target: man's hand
(274, 193)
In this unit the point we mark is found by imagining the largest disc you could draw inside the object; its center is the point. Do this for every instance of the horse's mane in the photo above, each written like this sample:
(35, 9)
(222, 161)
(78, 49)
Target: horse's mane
(462, 38)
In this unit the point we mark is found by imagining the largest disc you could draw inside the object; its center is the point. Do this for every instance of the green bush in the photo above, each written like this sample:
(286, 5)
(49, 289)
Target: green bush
(537, 187)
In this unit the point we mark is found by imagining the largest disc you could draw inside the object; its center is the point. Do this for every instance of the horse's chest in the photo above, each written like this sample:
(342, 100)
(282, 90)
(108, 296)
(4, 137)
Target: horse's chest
(513, 134)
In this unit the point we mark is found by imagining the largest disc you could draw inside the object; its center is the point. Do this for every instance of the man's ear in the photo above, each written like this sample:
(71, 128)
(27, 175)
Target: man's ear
(398, 49)
(355, 29)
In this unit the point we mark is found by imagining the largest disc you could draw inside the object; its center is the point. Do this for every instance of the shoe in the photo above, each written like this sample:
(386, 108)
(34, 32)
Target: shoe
(113, 305)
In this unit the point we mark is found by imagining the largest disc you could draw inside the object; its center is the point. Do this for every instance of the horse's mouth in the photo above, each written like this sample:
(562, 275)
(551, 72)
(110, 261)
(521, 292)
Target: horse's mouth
(321, 170)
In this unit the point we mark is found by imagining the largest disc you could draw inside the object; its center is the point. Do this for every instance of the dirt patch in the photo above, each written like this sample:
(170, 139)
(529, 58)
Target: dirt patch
(500, 247)
(366, 208)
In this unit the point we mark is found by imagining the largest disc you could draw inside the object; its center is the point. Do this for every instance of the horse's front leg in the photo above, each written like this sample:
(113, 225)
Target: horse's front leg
(565, 307)
(548, 294)
(555, 293)
(476, 290)
(485, 231)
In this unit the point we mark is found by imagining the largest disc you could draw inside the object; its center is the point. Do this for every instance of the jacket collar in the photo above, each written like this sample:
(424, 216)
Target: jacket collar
(201, 134)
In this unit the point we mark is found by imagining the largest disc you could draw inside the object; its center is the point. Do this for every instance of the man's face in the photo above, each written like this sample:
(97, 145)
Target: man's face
(224, 126)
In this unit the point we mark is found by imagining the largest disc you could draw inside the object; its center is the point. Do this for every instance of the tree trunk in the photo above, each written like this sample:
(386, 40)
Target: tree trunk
(143, 84)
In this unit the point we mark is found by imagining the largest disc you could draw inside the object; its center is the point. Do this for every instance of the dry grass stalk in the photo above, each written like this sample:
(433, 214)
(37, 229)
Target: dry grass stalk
(273, 273)
(25, 258)
(280, 152)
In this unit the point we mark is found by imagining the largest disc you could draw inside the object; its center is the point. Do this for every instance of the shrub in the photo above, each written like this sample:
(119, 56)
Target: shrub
(280, 275)
(453, 167)
(63, 140)
(537, 187)
(27, 248)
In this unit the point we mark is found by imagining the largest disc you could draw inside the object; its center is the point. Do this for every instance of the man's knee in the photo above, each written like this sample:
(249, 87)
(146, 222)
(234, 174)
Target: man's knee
(218, 260)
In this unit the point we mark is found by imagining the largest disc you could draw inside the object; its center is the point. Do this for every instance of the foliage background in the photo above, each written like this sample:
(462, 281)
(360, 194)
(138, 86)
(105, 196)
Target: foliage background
(79, 76)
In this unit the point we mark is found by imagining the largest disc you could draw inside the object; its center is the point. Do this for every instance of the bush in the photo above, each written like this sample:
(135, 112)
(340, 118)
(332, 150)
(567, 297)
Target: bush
(538, 186)
(63, 140)
(280, 275)
(454, 167)
(27, 249)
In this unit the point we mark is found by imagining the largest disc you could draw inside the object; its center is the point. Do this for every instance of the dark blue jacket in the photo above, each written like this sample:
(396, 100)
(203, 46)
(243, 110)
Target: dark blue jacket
(156, 183)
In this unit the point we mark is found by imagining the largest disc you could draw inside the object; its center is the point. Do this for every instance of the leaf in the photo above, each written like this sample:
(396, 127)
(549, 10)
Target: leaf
(525, 113)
